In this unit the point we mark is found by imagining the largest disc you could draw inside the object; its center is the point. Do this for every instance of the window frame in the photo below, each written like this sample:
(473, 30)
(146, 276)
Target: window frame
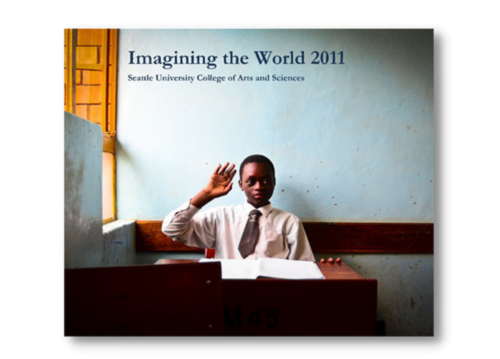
(108, 68)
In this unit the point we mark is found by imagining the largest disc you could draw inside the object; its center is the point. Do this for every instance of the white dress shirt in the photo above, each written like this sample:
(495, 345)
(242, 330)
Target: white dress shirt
(281, 233)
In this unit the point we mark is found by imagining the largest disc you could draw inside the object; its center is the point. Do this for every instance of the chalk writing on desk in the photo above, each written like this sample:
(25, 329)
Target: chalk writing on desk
(235, 319)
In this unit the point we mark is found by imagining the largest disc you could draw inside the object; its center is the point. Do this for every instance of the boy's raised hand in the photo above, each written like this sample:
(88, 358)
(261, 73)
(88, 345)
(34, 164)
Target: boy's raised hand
(220, 182)
(219, 185)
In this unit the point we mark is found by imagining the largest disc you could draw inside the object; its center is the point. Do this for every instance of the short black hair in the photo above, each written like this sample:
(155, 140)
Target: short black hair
(257, 159)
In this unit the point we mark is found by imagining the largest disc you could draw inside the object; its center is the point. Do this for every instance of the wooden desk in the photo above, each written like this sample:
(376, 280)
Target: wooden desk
(344, 304)
(186, 298)
(144, 300)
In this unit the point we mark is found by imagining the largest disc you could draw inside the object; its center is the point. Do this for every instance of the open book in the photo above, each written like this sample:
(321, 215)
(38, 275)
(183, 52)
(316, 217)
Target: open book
(267, 267)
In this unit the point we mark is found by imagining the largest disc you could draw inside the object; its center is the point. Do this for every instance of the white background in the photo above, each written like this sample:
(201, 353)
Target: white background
(466, 172)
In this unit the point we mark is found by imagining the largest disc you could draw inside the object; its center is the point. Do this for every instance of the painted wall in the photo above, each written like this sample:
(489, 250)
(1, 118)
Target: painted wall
(87, 243)
(351, 143)
(83, 244)
(405, 289)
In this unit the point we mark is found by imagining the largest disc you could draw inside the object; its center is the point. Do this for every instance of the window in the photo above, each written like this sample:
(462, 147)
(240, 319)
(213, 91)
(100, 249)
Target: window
(90, 92)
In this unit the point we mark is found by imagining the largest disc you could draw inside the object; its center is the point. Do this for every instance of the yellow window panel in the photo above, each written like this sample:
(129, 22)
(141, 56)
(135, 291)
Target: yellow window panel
(88, 94)
(90, 37)
(91, 77)
(95, 114)
(87, 55)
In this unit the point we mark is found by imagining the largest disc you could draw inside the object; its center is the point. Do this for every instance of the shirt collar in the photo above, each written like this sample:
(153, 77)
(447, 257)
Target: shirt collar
(265, 210)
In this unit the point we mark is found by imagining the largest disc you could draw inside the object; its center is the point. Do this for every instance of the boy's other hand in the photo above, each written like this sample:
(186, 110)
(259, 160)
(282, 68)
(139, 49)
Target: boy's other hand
(220, 182)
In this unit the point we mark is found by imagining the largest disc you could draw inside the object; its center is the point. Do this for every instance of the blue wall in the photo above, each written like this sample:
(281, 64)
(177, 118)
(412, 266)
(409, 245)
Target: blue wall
(83, 244)
(87, 243)
(352, 142)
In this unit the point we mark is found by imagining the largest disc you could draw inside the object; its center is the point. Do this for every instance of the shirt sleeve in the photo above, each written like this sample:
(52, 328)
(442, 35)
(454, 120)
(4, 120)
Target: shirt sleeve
(299, 244)
(187, 225)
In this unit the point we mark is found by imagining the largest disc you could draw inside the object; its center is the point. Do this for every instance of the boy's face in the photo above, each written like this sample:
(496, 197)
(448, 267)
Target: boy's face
(257, 180)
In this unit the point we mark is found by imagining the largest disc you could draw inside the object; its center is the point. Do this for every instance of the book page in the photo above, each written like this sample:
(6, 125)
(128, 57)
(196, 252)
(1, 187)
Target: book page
(288, 269)
(267, 267)
(236, 268)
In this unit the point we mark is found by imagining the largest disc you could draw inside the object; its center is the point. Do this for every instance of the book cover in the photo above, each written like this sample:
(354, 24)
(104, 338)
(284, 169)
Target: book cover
(346, 116)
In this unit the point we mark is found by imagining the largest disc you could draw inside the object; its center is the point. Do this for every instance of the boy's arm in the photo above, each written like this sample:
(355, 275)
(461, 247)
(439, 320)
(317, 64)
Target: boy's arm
(199, 231)
(187, 225)
(219, 184)
(300, 248)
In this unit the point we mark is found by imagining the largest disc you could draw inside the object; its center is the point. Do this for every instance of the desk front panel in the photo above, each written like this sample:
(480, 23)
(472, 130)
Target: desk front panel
(299, 308)
(147, 300)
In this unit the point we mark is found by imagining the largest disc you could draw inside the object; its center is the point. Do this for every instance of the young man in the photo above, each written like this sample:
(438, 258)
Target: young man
(249, 231)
